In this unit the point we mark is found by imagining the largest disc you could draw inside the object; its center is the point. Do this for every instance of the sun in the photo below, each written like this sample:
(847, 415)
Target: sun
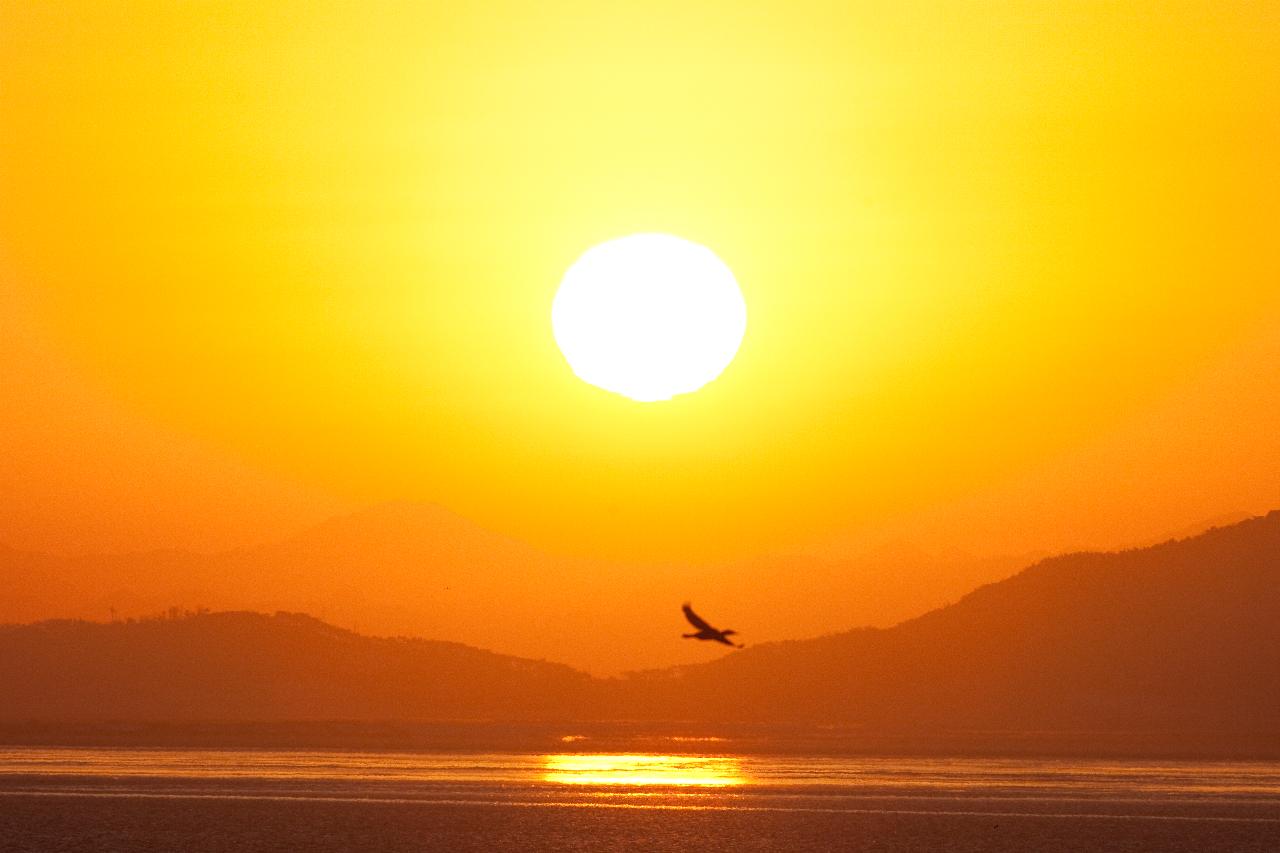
(649, 316)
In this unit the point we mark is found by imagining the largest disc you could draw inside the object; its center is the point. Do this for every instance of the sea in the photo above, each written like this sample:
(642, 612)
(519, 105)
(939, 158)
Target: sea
(694, 793)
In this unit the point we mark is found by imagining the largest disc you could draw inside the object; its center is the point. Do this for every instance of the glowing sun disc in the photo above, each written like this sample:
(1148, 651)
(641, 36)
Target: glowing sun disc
(648, 316)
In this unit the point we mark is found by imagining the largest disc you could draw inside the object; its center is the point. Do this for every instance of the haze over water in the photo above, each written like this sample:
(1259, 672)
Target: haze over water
(154, 799)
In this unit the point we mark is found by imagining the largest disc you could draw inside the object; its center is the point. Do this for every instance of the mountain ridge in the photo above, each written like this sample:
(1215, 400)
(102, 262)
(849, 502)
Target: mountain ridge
(1180, 636)
(418, 569)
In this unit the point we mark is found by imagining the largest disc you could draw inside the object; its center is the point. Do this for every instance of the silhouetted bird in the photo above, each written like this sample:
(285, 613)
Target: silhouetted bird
(705, 631)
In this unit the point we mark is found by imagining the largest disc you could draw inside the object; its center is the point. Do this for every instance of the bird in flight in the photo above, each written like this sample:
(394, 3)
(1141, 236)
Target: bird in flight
(705, 631)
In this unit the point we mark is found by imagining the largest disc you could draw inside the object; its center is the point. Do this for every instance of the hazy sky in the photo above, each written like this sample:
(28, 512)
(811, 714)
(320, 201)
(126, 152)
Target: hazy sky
(1012, 269)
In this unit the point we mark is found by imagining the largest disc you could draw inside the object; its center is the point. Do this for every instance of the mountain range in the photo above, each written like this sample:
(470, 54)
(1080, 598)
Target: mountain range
(420, 570)
(1182, 636)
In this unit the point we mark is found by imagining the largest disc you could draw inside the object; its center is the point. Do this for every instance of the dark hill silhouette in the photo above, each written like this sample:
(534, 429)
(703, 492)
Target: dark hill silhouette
(251, 666)
(1180, 637)
(1183, 635)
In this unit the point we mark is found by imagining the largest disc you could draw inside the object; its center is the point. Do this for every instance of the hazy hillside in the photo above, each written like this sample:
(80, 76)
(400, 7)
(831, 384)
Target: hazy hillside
(250, 666)
(1182, 636)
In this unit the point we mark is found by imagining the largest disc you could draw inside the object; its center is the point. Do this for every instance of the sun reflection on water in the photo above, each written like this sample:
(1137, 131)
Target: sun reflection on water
(682, 770)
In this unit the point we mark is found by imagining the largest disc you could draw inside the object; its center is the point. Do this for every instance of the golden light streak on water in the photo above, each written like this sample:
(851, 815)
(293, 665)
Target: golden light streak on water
(643, 770)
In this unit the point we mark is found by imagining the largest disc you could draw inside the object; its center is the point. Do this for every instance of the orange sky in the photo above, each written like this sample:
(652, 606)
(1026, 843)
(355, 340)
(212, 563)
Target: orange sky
(1012, 270)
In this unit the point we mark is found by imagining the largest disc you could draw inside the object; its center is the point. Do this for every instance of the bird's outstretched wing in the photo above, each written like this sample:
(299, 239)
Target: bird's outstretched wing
(694, 619)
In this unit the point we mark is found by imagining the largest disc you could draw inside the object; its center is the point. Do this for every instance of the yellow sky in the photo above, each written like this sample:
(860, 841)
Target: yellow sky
(266, 261)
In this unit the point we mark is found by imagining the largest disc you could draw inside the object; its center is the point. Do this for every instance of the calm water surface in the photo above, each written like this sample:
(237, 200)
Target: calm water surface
(162, 799)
